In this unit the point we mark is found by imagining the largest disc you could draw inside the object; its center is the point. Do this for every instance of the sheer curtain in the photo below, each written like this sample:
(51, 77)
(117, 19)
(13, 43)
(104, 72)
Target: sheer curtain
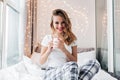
(30, 35)
(101, 33)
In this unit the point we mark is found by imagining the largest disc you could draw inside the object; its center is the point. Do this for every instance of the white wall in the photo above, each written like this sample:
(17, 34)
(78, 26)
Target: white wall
(81, 13)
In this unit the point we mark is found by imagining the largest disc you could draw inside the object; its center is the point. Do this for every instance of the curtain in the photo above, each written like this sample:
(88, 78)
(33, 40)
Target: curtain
(31, 23)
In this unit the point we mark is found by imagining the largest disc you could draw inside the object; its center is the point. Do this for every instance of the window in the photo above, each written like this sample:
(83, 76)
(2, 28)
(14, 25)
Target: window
(16, 2)
(11, 32)
(108, 35)
(116, 36)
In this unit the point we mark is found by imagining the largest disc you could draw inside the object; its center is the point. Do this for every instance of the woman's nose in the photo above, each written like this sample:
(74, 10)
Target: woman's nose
(60, 25)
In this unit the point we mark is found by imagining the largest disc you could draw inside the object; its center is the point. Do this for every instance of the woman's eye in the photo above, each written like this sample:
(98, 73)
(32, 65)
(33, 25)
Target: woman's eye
(63, 22)
(56, 22)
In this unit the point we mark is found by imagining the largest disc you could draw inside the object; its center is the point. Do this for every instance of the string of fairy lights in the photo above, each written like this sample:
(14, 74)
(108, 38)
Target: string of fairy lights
(104, 23)
(77, 14)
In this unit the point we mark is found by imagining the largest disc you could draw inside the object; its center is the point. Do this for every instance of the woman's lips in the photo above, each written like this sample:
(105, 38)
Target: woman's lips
(61, 29)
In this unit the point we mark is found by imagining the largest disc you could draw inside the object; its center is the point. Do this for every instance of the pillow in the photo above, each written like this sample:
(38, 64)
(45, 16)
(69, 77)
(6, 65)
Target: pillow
(84, 57)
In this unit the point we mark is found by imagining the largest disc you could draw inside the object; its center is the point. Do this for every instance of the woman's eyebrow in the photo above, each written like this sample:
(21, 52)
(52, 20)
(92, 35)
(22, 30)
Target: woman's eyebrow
(56, 22)
(63, 21)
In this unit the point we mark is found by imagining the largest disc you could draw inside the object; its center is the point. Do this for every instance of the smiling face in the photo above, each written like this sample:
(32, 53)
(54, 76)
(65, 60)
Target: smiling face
(61, 24)
(58, 24)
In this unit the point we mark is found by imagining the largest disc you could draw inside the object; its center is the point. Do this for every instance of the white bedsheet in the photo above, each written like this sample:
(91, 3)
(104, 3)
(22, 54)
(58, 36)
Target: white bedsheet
(26, 70)
(17, 72)
(102, 75)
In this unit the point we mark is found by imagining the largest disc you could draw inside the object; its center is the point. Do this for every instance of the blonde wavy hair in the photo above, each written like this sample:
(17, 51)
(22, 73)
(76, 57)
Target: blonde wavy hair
(67, 34)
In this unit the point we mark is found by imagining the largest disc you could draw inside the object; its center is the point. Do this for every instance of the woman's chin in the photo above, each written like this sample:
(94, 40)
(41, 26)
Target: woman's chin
(59, 31)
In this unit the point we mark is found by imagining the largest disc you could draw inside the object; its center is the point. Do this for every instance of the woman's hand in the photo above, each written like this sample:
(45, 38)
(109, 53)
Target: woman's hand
(59, 44)
(50, 46)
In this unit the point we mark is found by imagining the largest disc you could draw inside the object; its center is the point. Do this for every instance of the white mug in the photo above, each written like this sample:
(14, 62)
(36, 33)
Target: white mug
(55, 40)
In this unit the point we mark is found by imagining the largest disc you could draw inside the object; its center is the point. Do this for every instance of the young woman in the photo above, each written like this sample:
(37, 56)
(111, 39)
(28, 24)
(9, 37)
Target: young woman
(60, 46)
(59, 52)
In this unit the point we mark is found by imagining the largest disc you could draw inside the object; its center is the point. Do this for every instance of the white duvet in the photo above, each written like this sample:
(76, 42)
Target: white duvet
(26, 70)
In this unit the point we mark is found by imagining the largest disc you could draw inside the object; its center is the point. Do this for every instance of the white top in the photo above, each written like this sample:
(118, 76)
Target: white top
(56, 57)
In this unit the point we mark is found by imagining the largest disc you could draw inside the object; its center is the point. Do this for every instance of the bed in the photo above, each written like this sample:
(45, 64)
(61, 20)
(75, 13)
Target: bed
(29, 69)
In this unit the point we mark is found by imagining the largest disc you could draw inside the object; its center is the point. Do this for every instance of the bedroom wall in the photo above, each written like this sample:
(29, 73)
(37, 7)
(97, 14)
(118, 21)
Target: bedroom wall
(81, 13)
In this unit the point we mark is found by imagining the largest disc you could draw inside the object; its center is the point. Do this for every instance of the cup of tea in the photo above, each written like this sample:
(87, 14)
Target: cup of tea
(55, 41)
